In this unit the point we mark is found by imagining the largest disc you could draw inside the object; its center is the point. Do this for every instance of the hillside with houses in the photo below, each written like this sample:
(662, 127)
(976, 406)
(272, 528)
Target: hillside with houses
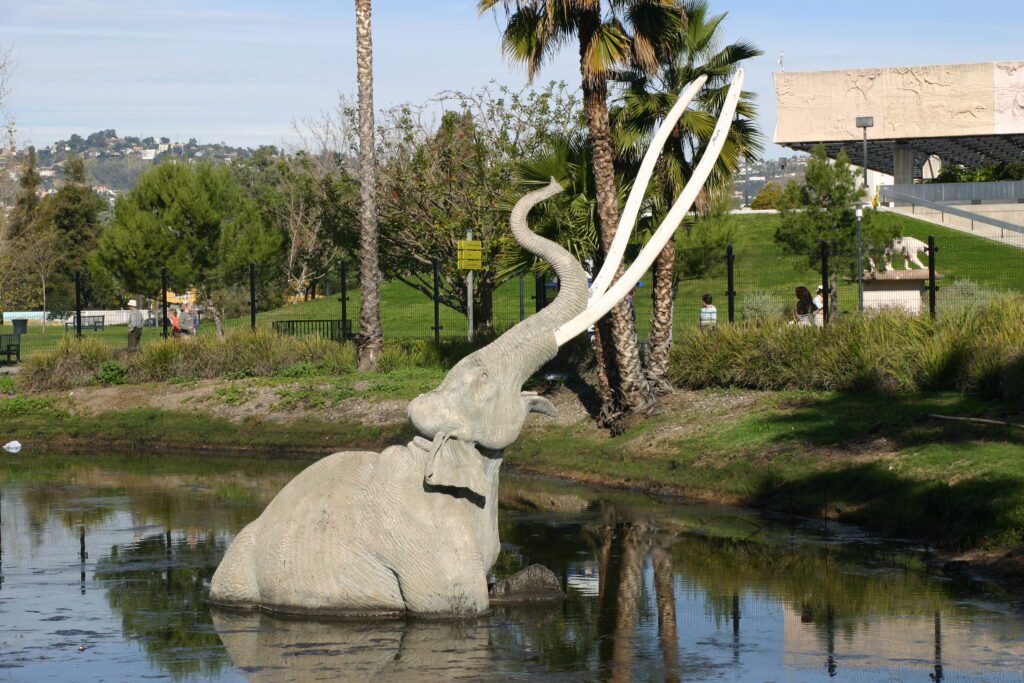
(115, 162)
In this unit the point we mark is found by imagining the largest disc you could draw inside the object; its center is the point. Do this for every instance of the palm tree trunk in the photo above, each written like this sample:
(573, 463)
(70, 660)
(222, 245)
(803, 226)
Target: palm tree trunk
(661, 320)
(633, 392)
(664, 593)
(370, 340)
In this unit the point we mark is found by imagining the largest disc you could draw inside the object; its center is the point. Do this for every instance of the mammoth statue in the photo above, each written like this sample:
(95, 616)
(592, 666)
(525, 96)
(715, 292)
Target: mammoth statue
(415, 527)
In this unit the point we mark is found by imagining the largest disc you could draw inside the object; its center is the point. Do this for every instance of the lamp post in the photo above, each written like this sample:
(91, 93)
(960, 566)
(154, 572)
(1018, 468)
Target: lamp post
(865, 122)
(860, 269)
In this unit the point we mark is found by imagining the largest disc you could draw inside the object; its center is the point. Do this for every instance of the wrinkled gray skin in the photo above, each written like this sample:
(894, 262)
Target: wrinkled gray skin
(414, 528)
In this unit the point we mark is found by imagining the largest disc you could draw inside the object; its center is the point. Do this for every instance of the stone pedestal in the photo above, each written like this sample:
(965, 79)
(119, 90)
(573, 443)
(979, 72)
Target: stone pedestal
(904, 290)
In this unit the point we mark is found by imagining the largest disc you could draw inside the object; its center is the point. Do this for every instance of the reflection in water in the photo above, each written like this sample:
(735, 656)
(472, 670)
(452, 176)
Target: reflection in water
(274, 649)
(159, 588)
(108, 572)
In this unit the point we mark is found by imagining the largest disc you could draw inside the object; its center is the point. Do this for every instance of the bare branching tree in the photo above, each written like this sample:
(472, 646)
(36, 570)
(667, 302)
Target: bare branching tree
(448, 166)
(317, 194)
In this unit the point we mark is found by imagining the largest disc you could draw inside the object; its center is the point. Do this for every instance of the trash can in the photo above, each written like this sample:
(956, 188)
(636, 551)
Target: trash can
(20, 325)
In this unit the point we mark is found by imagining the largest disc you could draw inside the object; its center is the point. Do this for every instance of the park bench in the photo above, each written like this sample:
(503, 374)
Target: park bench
(89, 322)
(10, 346)
(328, 329)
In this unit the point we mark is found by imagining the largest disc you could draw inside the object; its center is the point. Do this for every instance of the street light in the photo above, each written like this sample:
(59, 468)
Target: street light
(860, 270)
(863, 122)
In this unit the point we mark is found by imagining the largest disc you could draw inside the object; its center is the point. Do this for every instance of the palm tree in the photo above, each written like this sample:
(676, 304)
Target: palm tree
(646, 99)
(630, 32)
(370, 340)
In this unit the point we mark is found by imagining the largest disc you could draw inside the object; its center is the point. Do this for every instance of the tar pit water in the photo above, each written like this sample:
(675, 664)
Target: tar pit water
(106, 565)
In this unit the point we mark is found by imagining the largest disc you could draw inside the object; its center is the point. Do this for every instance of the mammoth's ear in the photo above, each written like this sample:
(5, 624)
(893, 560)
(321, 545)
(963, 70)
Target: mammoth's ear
(538, 404)
(458, 464)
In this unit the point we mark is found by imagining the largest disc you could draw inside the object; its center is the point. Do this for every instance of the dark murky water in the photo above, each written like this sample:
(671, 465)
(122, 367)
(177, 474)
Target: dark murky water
(106, 566)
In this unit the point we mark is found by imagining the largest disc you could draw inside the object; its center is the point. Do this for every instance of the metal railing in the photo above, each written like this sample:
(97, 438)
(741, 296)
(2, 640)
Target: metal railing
(888, 193)
(999, 192)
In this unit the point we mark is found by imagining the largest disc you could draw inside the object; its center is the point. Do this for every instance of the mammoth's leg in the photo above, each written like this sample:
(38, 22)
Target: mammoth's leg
(234, 582)
(450, 587)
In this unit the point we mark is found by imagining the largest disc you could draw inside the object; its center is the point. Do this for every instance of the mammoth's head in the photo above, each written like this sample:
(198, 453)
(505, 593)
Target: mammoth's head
(480, 404)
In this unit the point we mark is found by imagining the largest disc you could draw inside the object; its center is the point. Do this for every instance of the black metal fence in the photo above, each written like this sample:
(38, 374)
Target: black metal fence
(748, 281)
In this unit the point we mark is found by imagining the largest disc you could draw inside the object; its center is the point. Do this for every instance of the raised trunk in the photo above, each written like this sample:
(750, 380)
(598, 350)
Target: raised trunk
(632, 392)
(370, 339)
(661, 320)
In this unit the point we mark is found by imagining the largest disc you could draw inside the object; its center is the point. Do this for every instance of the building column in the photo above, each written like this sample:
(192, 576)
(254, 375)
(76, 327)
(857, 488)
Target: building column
(903, 164)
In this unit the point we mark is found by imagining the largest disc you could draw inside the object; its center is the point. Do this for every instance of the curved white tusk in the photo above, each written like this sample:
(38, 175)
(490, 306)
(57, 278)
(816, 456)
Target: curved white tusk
(636, 193)
(618, 291)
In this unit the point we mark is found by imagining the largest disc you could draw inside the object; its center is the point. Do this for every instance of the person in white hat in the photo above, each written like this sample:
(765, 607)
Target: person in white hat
(134, 325)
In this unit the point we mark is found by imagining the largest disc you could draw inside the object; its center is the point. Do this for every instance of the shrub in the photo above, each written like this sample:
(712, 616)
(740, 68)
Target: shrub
(980, 351)
(112, 372)
(759, 307)
(962, 297)
(238, 355)
(768, 197)
(72, 363)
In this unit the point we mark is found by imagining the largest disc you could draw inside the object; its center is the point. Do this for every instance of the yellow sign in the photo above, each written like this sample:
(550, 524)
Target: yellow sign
(470, 255)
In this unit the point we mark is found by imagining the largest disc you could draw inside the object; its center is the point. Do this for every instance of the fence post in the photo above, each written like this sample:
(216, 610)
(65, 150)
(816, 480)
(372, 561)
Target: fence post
(78, 305)
(932, 287)
(437, 305)
(522, 299)
(252, 295)
(163, 298)
(730, 259)
(826, 294)
(344, 300)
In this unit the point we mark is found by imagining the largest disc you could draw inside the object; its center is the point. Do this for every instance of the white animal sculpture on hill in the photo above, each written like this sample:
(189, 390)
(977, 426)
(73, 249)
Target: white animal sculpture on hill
(908, 248)
(415, 528)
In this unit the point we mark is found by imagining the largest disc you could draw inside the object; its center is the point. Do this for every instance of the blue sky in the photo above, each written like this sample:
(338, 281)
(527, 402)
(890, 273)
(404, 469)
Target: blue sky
(241, 72)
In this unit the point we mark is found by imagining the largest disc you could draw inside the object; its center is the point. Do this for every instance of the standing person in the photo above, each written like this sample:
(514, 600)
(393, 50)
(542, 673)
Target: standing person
(172, 317)
(134, 325)
(804, 306)
(819, 307)
(195, 319)
(186, 321)
(708, 313)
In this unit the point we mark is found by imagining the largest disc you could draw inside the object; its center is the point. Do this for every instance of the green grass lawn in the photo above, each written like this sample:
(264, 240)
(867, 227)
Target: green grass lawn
(877, 460)
(761, 266)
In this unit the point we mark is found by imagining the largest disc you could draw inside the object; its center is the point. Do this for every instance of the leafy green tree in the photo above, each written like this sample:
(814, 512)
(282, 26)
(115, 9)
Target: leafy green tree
(823, 210)
(73, 214)
(196, 221)
(768, 197)
(26, 200)
(609, 35)
(695, 50)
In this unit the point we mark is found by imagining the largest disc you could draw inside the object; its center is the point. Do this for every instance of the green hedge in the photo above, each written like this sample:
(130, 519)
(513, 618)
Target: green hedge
(241, 354)
(974, 350)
